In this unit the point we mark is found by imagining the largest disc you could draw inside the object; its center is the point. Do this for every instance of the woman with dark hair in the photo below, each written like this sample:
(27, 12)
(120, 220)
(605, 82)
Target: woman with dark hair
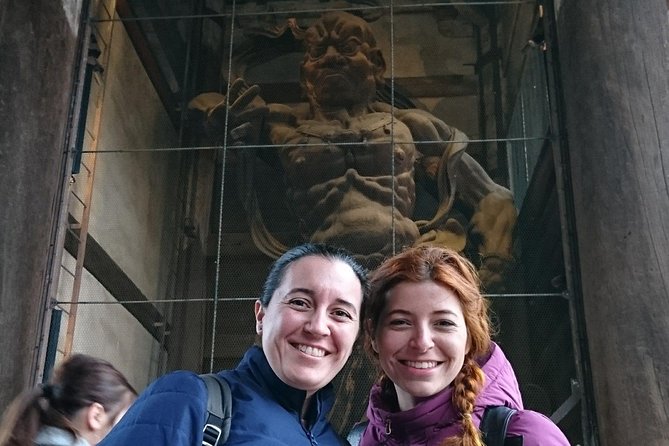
(427, 325)
(86, 397)
(307, 318)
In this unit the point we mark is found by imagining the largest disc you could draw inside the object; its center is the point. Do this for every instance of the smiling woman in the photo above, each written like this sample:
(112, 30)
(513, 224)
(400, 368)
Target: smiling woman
(422, 340)
(428, 326)
(308, 318)
(309, 326)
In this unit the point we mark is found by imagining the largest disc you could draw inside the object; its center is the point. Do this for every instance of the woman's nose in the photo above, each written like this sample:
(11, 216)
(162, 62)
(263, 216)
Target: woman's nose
(422, 339)
(318, 324)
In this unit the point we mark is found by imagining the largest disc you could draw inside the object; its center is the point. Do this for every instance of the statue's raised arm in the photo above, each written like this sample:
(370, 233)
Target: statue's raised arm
(460, 177)
(240, 117)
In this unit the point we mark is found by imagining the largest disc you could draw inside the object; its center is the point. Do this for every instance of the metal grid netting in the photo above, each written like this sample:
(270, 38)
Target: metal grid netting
(170, 270)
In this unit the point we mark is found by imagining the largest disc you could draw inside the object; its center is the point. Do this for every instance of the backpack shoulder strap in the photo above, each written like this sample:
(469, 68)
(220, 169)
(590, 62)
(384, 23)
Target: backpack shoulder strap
(219, 408)
(494, 424)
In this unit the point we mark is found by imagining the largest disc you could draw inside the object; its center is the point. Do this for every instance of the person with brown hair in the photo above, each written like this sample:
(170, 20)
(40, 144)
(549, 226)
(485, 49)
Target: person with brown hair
(427, 324)
(86, 397)
(281, 392)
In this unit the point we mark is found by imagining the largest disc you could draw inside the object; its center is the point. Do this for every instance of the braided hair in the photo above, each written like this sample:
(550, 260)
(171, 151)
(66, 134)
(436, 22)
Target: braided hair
(449, 269)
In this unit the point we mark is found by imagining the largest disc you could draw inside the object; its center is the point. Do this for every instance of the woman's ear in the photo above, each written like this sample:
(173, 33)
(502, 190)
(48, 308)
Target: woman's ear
(260, 314)
(96, 418)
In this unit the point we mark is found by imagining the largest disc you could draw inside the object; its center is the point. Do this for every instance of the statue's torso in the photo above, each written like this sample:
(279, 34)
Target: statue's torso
(314, 151)
(342, 178)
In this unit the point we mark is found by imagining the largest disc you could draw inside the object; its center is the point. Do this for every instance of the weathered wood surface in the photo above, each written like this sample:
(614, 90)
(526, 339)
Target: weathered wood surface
(615, 59)
(37, 62)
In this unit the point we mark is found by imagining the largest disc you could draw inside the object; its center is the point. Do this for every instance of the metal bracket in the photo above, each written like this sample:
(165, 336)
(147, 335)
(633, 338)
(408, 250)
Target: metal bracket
(569, 403)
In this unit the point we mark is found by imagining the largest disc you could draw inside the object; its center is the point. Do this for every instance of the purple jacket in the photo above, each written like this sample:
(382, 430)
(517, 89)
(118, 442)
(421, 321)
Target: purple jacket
(433, 420)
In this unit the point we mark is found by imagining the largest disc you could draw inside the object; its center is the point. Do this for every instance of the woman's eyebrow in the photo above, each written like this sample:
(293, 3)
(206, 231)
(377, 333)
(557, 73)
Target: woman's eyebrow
(346, 303)
(307, 291)
(399, 311)
(445, 312)
(402, 311)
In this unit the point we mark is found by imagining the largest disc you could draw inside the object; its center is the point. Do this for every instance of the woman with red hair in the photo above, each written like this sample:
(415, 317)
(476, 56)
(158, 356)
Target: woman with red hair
(427, 325)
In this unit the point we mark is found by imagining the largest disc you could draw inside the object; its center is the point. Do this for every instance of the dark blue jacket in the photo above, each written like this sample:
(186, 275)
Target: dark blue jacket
(172, 410)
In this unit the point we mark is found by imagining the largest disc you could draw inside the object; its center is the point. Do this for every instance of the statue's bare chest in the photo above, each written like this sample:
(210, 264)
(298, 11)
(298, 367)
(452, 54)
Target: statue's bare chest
(371, 127)
(369, 144)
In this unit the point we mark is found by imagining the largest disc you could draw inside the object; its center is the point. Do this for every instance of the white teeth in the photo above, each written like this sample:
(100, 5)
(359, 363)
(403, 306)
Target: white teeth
(311, 351)
(421, 364)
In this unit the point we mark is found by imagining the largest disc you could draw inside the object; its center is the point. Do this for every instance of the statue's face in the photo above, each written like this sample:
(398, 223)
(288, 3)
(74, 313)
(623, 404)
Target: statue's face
(339, 68)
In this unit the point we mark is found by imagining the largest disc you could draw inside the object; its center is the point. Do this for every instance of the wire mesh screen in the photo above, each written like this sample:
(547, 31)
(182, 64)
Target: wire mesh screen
(182, 202)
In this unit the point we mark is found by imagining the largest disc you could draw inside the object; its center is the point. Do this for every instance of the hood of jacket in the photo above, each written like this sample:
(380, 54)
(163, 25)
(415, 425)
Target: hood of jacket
(435, 418)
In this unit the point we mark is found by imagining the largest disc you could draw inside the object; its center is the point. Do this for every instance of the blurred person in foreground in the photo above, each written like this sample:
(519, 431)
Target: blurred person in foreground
(85, 398)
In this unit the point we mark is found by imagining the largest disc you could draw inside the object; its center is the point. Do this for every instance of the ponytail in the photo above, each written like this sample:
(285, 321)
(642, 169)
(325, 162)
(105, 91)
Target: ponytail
(26, 415)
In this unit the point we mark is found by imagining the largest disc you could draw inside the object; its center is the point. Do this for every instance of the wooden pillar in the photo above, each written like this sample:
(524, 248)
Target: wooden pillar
(38, 45)
(614, 57)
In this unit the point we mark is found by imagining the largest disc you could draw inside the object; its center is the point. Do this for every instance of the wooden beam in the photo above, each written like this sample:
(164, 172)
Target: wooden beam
(148, 59)
(116, 281)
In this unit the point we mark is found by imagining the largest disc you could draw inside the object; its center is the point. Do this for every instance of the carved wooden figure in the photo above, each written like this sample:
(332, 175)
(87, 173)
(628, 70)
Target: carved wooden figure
(350, 161)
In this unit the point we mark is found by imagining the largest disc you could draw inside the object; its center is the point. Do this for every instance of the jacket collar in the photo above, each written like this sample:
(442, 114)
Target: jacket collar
(289, 397)
(54, 436)
(415, 424)
(418, 423)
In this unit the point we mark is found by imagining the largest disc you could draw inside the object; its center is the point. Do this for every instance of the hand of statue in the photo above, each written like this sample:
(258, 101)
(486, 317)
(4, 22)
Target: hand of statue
(494, 273)
(245, 109)
(450, 234)
(494, 220)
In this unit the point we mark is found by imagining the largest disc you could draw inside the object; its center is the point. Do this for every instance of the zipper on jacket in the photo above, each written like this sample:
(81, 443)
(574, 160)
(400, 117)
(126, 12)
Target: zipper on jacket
(312, 439)
(388, 429)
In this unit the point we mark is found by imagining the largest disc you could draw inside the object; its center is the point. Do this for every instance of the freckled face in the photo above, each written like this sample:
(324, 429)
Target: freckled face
(421, 339)
(310, 325)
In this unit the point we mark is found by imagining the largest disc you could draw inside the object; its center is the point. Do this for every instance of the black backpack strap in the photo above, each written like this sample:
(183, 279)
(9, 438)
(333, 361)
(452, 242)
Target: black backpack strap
(355, 435)
(219, 407)
(494, 424)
